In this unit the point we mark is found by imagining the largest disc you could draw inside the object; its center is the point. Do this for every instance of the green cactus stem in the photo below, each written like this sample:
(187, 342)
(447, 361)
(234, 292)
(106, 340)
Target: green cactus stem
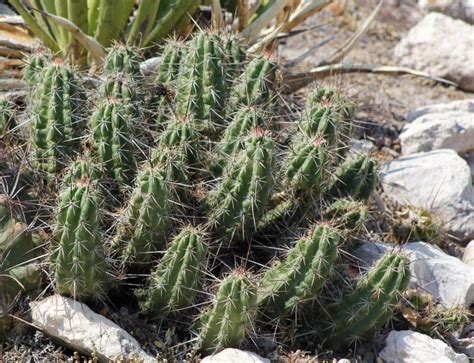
(177, 278)
(201, 85)
(296, 279)
(142, 233)
(369, 306)
(356, 177)
(246, 187)
(307, 163)
(112, 144)
(347, 214)
(123, 59)
(230, 317)
(78, 257)
(256, 85)
(56, 123)
(232, 141)
(35, 64)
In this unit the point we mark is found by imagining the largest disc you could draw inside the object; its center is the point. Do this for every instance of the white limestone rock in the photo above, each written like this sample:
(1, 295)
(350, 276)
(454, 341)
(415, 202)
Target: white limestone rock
(468, 255)
(407, 346)
(440, 46)
(231, 355)
(447, 278)
(459, 106)
(76, 326)
(460, 9)
(445, 130)
(439, 181)
(358, 146)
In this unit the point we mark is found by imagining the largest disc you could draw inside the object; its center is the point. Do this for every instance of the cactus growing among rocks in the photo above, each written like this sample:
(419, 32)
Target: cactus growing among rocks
(201, 85)
(35, 63)
(143, 230)
(176, 280)
(112, 143)
(232, 141)
(356, 177)
(371, 303)
(56, 121)
(256, 85)
(240, 198)
(297, 278)
(231, 314)
(77, 256)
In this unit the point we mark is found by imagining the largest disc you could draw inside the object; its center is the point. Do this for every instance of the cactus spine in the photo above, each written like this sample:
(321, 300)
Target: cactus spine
(232, 141)
(256, 84)
(301, 274)
(371, 303)
(356, 177)
(231, 314)
(55, 123)
(202, 89)
(34, 66)
(112, 143)
(78, 259)
(347, 214)
(7, 118)
(123, 59)
(143, 231)
(176, 280)
(240, 199)
(307, 162)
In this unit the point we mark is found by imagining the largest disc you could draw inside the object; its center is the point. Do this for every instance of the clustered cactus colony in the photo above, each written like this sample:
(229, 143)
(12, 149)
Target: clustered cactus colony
(199, 175)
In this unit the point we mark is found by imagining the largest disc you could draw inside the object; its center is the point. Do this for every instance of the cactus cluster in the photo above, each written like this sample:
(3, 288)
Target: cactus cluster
(202, 180)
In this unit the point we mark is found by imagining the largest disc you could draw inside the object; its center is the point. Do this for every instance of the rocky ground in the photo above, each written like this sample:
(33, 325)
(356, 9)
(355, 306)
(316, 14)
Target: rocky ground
(423, 133)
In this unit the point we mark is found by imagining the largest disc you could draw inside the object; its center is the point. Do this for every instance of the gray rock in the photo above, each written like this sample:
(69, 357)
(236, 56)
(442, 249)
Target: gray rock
(358, 146)
(460, 9)
(445, 277)
(76, 326)
(440, 46)
(468, 255)
(231, 355)
(439, 181)
(461, 106)
(407, 346)
(470, 161)
(444, 130)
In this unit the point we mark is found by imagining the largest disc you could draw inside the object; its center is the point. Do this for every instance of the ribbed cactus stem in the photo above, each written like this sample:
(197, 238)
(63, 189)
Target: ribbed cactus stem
(329, 115)
(371, 304)
(35, 64)
(256, 85)
(356, 177)
(297, 278)
(166, 81)
(230, 317)
(142, 233)
(307, 163)
(56, 122)
(123, 59)
(181, 134)
(246, 187)
(245, 119)
(78, 258)
(347, 213)
(202, 89)
(177, 278)
(111, 140)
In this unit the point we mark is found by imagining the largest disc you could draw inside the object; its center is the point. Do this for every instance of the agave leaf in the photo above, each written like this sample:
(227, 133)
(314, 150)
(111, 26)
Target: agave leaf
(93, 46)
